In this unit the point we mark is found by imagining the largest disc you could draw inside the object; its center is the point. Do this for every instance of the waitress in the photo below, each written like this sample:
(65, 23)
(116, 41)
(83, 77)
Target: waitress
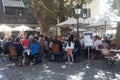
(70, 47)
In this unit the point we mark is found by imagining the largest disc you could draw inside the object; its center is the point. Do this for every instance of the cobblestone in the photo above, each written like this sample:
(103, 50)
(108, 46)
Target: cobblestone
(9, 71)
(60, 71)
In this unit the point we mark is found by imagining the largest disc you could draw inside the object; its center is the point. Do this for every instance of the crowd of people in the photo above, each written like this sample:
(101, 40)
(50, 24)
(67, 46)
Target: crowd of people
(53, 48)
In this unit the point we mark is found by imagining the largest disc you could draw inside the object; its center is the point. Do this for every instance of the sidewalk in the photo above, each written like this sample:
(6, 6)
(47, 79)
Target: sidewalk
(8, 72)
(61, 71)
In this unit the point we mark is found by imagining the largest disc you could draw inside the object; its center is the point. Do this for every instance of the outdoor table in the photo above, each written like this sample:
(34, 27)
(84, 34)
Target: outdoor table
(117, 51)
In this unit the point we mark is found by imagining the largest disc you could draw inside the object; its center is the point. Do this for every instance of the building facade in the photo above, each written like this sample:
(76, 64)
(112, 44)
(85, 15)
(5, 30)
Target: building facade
(92, 9)
(14, 13)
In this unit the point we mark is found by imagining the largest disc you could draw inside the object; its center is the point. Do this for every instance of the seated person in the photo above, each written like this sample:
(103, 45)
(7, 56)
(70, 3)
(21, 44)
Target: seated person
(34, 50)
(57, 49)
(97, 47)
(18, 46)
(6, 46)
(105, 49)
(16, 49)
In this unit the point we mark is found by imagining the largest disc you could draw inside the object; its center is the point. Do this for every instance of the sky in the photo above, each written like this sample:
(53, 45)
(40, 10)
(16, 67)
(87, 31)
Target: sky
(104, 6)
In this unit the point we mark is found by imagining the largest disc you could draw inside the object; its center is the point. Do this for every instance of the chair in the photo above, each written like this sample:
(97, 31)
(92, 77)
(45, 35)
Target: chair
(108, 58)
(12, 51)
(14, 56)
(55, 49)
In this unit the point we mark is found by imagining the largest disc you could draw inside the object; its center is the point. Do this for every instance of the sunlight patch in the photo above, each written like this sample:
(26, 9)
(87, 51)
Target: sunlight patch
(100, 75)
(0, 76)
(46, 67)
(117, 76)
(64, 66)
(79, 76)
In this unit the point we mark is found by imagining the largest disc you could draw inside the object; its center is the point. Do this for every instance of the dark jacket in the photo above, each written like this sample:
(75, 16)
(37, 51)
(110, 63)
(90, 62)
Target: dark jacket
(19, 48)
(71, 37)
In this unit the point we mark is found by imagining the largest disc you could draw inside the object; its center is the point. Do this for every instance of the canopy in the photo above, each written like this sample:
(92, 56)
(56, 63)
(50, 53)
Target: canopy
(72, 21)
(81, 30)
(23, 28)
(103, 20)
(37, 29)
(5, 28)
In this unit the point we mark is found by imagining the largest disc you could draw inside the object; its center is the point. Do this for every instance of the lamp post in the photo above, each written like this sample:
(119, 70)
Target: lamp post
(77, 12)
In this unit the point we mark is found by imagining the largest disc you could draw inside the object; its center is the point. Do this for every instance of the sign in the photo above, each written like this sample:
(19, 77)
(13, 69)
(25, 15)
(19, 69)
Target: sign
(88, 38)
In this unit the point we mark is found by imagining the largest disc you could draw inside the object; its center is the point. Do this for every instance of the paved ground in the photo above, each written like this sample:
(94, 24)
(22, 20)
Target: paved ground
(60, 71)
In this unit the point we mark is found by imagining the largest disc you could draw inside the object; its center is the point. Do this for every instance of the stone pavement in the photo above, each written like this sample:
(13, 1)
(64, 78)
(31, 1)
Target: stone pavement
(8, 72)
(60, 71)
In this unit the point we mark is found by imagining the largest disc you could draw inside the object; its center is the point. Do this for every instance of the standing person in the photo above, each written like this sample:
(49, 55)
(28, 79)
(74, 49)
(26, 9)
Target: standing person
(30, 40)
(70, 46)
(77, 48)
(46, 46)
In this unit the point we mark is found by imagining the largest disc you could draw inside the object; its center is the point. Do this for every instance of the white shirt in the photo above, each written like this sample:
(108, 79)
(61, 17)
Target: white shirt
(96, 43)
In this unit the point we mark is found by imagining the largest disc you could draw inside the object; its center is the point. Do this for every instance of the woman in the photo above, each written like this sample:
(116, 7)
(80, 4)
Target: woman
(70, 47)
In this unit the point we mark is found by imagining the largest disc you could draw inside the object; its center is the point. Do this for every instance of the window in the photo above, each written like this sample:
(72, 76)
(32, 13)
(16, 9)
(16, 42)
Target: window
(14, 11)
(86, 13)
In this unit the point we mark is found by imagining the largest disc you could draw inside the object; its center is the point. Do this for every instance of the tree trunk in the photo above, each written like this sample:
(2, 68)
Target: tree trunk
(118, 6)
(118, 35)
(118, 27)
(44, 29)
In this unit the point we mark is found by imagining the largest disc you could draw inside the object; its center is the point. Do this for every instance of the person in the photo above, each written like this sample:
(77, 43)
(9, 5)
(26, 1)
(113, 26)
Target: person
(34, 50)
(97, 46)
(18, 46)
(46, 46)
(42, 45)
(30, 40)
(70, 47)
(6, 46)
(25, 42)
(77, 47)
(57, 49)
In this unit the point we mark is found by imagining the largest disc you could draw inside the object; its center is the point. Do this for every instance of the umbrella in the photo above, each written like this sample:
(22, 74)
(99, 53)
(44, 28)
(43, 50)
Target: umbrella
(81, 30)
(37, 29)
(23, 28)
(105, 19)
(5, 28)
(72, 21)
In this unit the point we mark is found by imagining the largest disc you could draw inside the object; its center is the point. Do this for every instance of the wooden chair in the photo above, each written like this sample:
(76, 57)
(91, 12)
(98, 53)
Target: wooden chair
(108, 58)
(13, 51)
(14, 56)
(55, 48)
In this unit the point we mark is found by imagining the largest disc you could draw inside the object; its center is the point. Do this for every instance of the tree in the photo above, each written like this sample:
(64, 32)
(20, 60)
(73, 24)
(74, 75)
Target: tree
(115, 4)
(118, 25)
(48, 11)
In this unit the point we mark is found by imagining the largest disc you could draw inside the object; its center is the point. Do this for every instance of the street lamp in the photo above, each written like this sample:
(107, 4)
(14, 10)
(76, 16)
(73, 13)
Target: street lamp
(77, 12)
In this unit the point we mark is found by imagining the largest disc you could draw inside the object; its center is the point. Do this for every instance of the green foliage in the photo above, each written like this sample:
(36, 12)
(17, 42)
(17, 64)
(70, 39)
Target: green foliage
(113, 4)
(50, 10)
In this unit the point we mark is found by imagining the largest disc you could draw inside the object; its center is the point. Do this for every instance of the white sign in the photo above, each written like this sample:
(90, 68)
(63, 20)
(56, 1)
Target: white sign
(88, 38)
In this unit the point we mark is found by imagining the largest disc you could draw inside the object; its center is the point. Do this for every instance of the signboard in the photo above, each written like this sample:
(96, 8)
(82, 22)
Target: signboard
(88, 38)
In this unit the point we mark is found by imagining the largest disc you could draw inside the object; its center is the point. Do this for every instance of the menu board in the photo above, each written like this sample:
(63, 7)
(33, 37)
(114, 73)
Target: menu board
(88, 38)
